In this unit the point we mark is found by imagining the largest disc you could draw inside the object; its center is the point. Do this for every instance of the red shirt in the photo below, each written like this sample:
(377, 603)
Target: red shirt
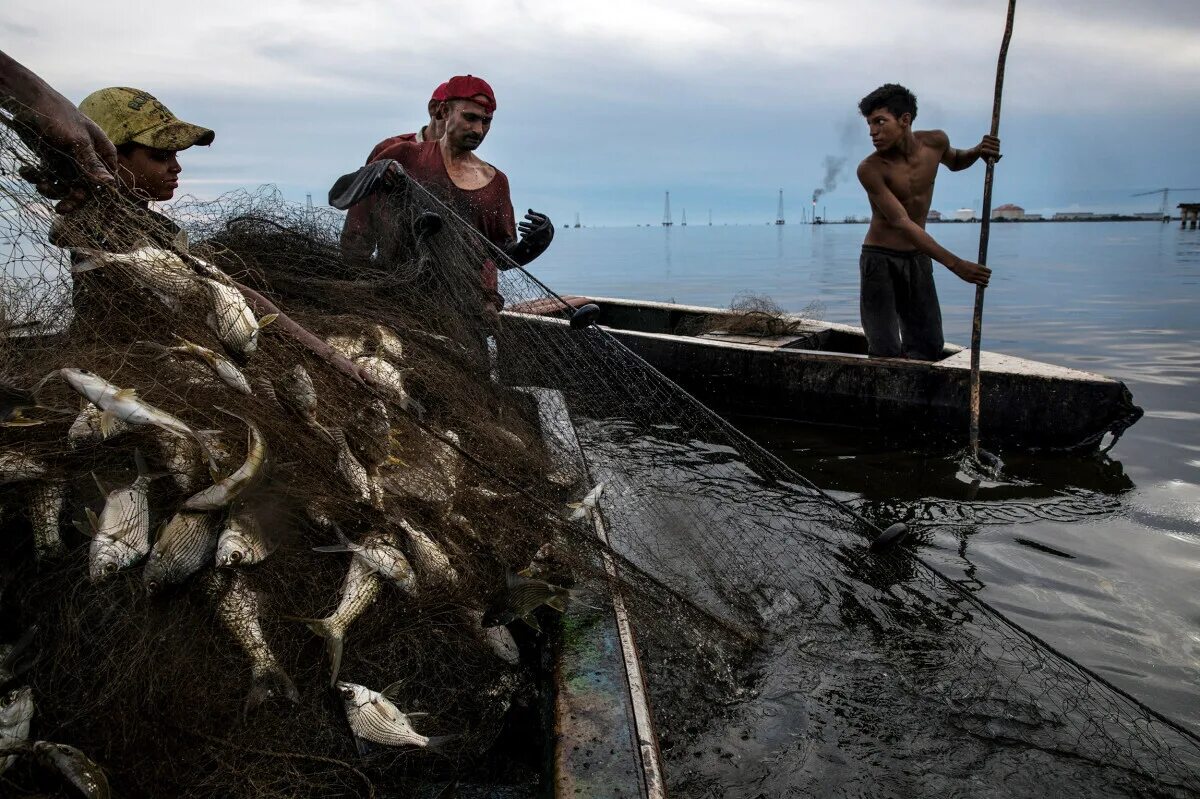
(488, 209)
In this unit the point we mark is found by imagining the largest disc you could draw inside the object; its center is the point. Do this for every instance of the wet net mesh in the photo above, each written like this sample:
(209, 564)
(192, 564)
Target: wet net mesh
(763, 622)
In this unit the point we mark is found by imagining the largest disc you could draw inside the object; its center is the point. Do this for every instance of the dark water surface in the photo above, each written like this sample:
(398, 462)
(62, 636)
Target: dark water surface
(1099, 555)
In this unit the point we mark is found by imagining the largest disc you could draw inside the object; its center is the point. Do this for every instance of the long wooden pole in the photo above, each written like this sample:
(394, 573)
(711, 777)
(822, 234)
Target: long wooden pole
(984, 230)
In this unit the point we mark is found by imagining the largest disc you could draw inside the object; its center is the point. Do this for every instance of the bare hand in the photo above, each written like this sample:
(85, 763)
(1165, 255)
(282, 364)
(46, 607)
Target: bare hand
(972, 272)
(76, 156)
(989, 149)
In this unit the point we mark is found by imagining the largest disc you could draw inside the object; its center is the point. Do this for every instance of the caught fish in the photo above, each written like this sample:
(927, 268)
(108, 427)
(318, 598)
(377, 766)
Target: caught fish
(228, 489)
(231, 319)
(387, 343)
(125, 405)
(14, 402)
(430, 557)
(184, 545)
(237, 608)
(378, 551)
(16, 712)
(222, 366)
(352, 471)
(349, 347)
(86, 430)
(370, 434)
(522, 596)
(588, 506)
(18, 468)
(186, 462)
(498, 639)
(448, 459)
(46, 501)
(296, 392)
(374, 718)
(390, 381)
(76, 767)
(360, 589)
(160, 271)
(121, 534)
(243, 543)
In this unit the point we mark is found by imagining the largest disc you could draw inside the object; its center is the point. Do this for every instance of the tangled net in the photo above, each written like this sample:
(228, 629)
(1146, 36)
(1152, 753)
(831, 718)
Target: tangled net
(749, 589)
(755, 315)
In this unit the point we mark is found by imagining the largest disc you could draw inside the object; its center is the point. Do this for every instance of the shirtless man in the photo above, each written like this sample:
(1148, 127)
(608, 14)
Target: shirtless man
(898, 300)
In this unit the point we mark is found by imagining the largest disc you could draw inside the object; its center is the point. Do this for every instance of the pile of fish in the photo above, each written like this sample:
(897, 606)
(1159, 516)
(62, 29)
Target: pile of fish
(212, 539)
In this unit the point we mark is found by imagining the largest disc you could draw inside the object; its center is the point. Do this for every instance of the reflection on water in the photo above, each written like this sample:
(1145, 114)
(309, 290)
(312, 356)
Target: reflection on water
(873, 676)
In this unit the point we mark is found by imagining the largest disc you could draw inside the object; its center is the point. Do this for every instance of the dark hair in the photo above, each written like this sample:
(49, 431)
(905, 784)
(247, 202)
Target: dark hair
(127, 148)
(891, 96)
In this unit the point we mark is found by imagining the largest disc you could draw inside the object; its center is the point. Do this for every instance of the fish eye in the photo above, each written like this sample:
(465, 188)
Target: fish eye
(347, 692)
(110, 568)
(235, 557)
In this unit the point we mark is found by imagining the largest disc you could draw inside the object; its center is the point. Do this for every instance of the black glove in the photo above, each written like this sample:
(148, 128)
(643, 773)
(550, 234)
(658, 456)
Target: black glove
(353, 188)
(536, 235)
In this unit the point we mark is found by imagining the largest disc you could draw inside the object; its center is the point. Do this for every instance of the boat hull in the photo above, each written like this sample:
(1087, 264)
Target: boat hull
(1024, 404)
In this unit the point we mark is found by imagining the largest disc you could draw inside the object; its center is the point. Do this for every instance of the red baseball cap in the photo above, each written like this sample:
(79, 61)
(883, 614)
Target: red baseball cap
(439, 94)
(468, 87)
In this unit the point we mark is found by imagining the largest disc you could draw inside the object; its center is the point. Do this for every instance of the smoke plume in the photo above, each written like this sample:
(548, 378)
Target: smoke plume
(833, 170)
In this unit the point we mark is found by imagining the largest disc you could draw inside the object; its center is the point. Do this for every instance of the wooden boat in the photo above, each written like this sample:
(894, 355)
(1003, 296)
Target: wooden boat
(819, 372)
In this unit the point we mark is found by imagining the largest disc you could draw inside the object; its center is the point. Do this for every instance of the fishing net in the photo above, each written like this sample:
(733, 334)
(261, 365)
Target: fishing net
(754, 315)
(763, 622)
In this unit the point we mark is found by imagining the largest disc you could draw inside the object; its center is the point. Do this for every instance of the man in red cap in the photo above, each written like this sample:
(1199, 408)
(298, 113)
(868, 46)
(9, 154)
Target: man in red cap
(449, 168)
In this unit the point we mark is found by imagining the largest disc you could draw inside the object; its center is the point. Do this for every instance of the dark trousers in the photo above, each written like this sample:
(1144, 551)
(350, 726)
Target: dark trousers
(899, 305)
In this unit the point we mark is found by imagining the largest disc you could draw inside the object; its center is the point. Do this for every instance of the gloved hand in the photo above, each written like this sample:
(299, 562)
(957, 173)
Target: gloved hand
(354, 187)
(536, 234)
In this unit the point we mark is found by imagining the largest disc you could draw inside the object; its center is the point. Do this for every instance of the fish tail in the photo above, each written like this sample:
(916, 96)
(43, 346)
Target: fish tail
(162, 351)
(274, 683)
(334, 641)
(436, 742)
(558, 600)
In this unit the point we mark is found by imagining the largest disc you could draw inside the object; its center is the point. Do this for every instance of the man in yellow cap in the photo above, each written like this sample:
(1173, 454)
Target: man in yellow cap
(148, 138)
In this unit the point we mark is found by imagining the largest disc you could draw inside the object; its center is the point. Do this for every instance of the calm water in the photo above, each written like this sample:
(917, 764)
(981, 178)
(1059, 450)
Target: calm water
(1099, 555)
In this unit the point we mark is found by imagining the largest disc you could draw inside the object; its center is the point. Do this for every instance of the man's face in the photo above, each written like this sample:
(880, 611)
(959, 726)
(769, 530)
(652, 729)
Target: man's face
(149, 173)
(467, 123)
(886, 129)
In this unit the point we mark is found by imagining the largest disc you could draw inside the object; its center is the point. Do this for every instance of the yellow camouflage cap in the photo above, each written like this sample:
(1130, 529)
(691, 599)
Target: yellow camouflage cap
(132, 115)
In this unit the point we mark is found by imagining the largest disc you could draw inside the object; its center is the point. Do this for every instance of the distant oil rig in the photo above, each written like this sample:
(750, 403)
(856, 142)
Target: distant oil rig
(667, 212)
(779, 213)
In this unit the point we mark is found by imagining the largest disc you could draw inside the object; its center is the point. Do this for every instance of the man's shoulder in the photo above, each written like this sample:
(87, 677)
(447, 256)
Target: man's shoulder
(396, 147)
(870, 165)
(935, 139)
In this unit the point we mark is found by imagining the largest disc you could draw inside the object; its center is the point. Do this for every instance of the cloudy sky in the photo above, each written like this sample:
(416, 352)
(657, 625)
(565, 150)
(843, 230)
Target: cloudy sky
(605, 105)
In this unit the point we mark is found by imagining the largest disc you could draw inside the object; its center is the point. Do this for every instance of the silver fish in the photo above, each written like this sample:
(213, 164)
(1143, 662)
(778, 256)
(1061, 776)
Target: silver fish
(16, 712)
(18, 468)
(184, 545)
(121, 534)
(428, 554)
(46, 501)
(388, 379)
(360, 589)
(228, 489)
(160, 271)
(448, 459)
(237, 608)
(378, 550)
(86, 430)
(230, 317)
(222, 366)
(388, 343)
(242, 542)
(498, 639)
(348, 346)
(522, 596)
(352, 471)
(123, 404)
(588, 506)
(185, 461)
(76, 767)
(374, 718)
(370, 434)
(297, 393)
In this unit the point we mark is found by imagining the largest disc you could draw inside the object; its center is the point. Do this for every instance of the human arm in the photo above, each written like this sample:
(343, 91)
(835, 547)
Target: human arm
(886, 206)
(54, 128)
(957, 160)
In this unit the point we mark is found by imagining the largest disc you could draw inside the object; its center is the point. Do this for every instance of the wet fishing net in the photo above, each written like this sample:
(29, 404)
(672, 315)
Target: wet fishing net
(258, 384)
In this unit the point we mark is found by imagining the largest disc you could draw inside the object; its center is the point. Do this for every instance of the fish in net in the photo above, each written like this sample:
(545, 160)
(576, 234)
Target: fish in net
(392, 416)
